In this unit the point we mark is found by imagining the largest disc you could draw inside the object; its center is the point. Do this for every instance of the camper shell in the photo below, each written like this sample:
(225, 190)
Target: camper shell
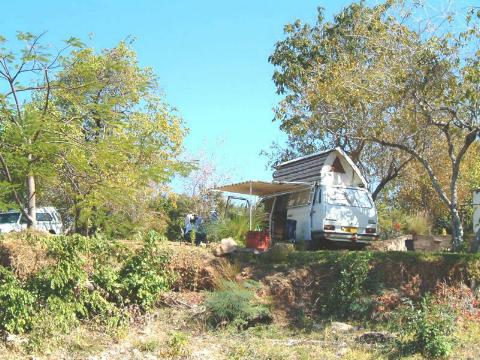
(320, 199)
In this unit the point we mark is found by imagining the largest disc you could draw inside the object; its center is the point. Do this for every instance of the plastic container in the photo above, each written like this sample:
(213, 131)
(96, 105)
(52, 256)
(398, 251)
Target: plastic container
(259, 240)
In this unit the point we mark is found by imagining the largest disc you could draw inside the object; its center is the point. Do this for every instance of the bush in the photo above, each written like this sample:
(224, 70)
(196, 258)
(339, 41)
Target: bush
(426, 328)
(346, 298)
(235, 226)
(236, 304)
(279, 253)
(16, 304)
(418, 224)
(89, 278)
(144, 275)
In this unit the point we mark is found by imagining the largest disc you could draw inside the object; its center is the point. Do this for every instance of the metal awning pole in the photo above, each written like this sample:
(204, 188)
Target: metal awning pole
(250, 206)
(270, 218)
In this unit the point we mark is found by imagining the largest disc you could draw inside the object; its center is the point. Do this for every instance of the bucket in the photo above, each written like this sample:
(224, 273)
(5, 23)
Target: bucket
(259, 240)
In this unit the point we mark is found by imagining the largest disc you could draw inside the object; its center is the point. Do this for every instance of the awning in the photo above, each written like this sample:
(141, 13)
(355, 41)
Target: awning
(262, 188)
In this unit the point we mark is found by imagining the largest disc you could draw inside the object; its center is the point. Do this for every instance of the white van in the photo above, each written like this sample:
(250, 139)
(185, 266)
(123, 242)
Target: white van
(323, 214)
(320, 199)
(48, 219)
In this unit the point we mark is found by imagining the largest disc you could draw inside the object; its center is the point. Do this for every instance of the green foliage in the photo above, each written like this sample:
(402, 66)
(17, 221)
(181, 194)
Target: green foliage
(346, 298)
(16, 304)
(426, 328)
(236, 304)
(236, 226)
(418, 224)
(144, 275)
(89, 278)
(279, 253)
(177, 344)
(93, 135)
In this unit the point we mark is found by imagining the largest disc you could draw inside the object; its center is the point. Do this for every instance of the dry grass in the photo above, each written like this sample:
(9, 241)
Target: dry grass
(24, 253)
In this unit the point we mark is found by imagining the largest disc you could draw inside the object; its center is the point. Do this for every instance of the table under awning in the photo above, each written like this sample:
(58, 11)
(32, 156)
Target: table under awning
(262, 189)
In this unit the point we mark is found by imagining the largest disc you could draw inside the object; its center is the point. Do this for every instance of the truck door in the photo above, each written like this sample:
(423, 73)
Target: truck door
(299, 210)
(318, 210)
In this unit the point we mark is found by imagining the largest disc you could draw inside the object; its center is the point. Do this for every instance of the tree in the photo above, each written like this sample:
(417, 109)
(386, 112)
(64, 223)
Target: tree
(26, 143)
(375, 80)
(96, 133)
(297, 59)
(127, 138)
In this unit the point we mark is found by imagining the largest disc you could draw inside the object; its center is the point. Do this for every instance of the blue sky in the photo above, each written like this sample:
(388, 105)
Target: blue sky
(210, 57)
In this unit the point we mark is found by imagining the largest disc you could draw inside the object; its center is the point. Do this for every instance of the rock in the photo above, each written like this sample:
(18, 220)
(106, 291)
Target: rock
(227, 246)
(374, 337)
(341, 327)
(14, 341)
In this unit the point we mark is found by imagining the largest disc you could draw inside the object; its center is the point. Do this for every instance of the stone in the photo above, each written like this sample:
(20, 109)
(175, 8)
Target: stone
(227, 246)
(341, 327)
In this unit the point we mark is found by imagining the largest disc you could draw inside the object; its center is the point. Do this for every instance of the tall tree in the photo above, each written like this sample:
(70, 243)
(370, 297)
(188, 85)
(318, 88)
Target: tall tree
(375, 80)
(125, 138)
(297, 59)
(26, 145)
(97, 133)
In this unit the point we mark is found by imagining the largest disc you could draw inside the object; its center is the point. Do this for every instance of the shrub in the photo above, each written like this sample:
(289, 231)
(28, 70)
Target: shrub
(236, 304)
(346, 297)
(426, 328)
(235, 226)
(279, 253)
(16, 304)
(144, 275)
(418, 224)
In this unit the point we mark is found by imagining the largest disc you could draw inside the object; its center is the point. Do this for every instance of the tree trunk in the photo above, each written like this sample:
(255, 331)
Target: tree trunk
(457, 229)
(32, 202)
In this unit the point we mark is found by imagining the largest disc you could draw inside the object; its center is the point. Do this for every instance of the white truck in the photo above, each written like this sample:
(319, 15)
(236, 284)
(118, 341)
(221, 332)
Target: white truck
(320, 199)
(48, 219)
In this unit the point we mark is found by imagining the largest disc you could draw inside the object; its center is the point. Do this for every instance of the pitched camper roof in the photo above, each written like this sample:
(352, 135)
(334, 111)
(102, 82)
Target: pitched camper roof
(308, 168)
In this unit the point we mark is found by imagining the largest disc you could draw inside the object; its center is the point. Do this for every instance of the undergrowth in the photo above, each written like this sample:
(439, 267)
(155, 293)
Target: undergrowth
(89, 278)
(346, 298)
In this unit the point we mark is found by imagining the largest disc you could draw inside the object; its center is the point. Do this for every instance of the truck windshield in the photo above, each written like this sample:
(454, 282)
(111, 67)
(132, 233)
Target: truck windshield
(9, 218)
(348, 197)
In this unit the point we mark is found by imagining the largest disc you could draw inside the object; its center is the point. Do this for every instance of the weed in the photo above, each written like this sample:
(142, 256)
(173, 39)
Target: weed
(149, 346)
(177, 344)
(418, 224)
(279, 253)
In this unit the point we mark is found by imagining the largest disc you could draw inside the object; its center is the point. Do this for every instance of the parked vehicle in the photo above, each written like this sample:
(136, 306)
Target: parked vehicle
(476, 212)
(323, 214)
(320, 199)
(48, 219)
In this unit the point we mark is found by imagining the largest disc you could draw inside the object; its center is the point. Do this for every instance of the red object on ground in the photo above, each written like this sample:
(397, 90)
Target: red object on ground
(259, 240)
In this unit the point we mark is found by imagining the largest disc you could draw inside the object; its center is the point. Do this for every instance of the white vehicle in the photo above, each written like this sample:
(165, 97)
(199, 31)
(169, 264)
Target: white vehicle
(320, 199)
(48, 219)
(476, 212)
